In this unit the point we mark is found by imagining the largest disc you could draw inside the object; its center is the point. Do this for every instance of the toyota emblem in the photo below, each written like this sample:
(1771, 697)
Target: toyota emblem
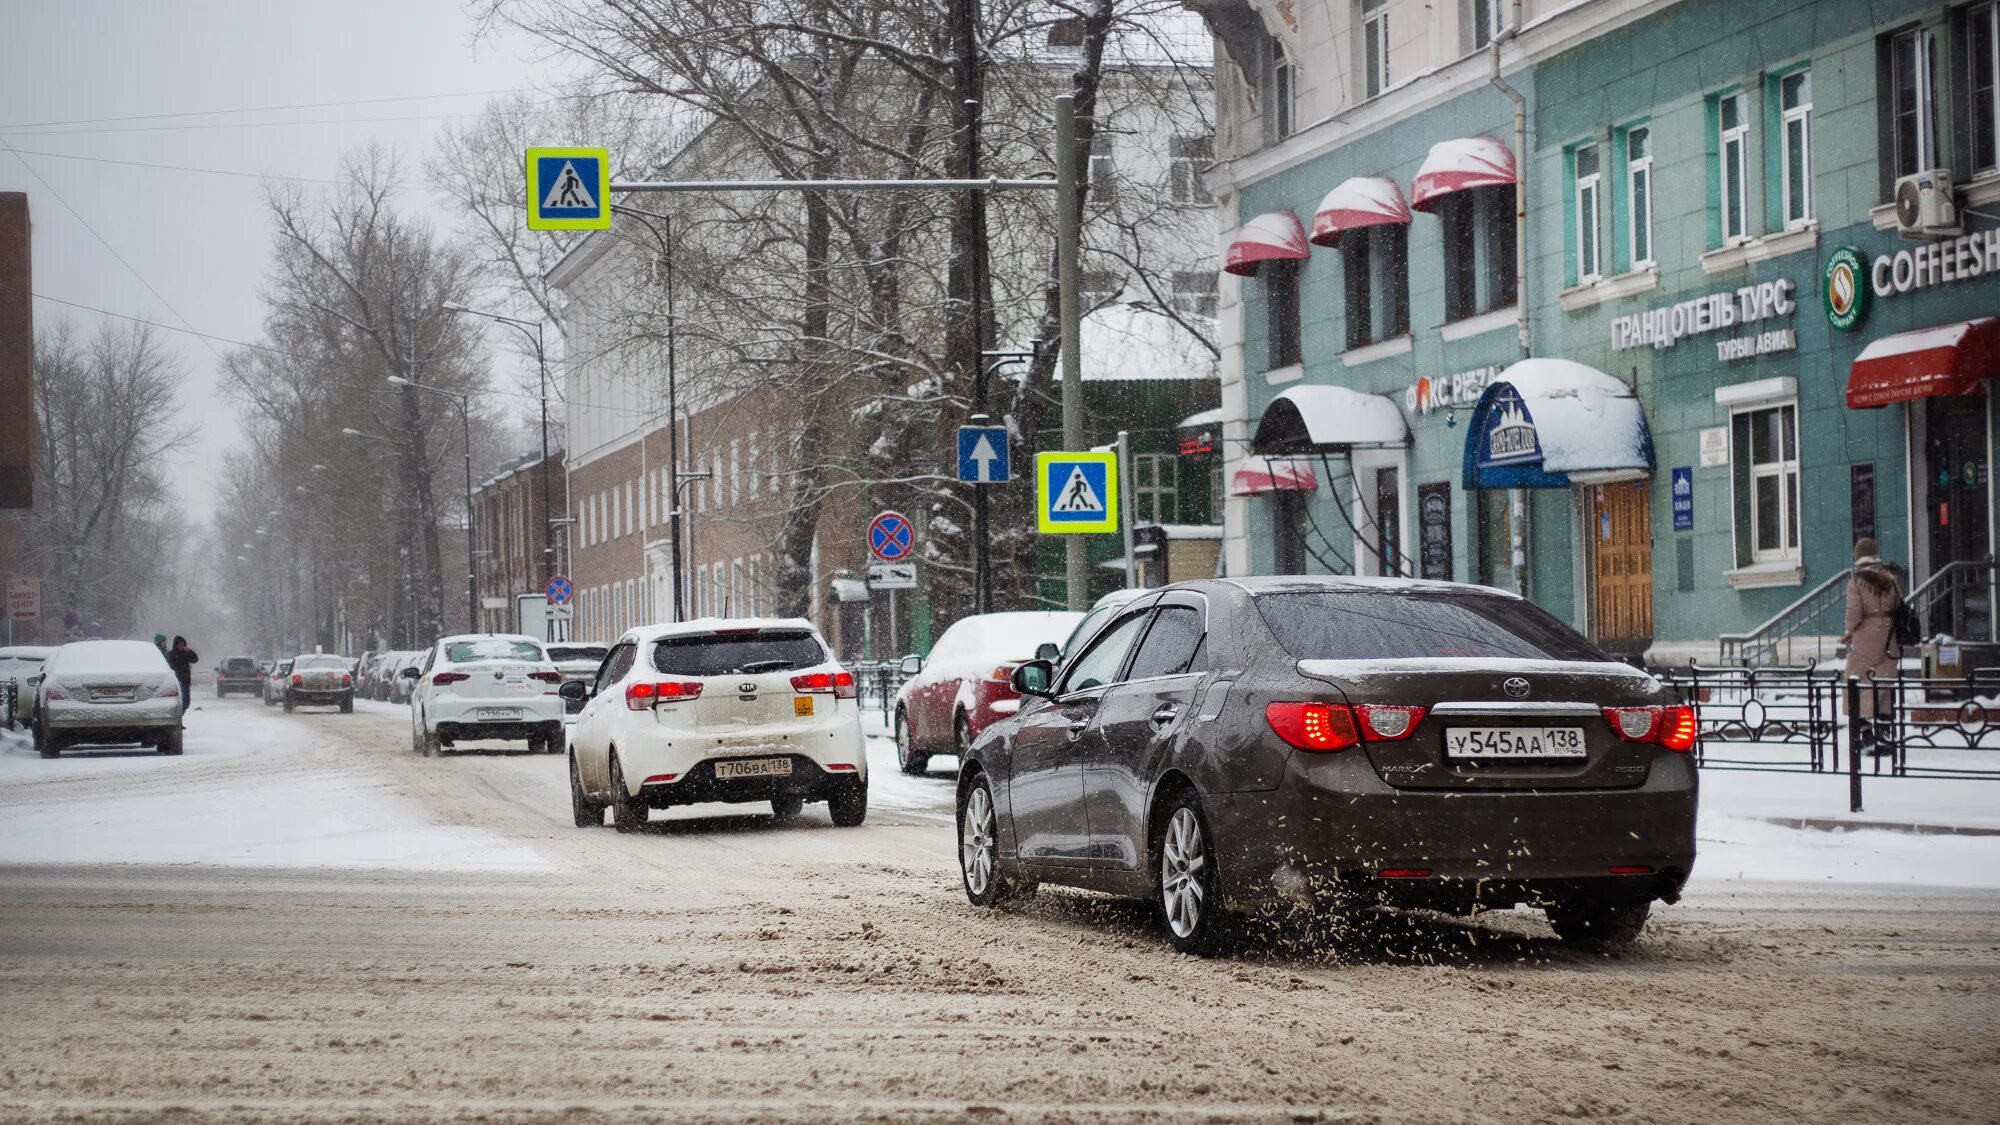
(498, 675)
(1515, 687)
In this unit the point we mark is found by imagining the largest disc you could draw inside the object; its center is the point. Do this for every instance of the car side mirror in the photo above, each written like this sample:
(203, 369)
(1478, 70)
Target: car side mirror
(912, 665)
(574, 689)
(1032, 678)
(1049, 651)
(412, 673)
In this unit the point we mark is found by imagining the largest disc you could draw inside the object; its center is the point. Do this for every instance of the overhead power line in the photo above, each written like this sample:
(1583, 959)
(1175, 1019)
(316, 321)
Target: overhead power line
(178, 167)
(266, 124)
(255, 109)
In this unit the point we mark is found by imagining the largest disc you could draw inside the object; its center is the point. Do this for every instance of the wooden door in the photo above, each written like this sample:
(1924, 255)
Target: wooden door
(1621, 531)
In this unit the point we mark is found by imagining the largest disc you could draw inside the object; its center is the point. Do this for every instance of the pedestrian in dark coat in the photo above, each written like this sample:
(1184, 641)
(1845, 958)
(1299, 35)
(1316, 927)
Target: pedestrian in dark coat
(1873, 596)
(182, 660)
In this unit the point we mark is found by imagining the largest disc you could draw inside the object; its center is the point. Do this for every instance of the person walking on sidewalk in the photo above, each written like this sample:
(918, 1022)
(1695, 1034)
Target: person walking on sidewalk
(1873, 597)
(182, 660)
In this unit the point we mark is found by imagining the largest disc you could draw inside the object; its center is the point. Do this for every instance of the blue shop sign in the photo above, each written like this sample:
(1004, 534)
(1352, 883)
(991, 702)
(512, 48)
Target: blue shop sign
(1683, 498)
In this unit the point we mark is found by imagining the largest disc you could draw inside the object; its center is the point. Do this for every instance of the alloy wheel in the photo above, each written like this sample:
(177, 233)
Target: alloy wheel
(977, 850)
(1183, 856)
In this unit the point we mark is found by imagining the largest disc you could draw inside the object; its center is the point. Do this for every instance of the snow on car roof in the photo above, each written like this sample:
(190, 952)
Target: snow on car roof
(1302, 583)
(1004, 636)
(486, 636)
(108, 656)
(27, 652)
(643, 633)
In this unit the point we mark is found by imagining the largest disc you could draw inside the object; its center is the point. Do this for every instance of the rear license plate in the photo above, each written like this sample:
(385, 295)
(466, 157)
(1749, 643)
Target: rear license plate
(802, 705)
(1514, 742)
(498, 713)
(754, 767)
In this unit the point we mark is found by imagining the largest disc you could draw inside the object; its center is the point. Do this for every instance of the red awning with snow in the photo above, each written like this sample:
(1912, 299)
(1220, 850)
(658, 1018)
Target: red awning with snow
(1456, 165)
(1364, 201)
(1271, 235)
(1951, 359)
(1268, 474)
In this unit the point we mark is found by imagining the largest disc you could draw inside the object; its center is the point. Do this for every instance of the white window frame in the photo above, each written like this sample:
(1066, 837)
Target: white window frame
(750, 457)
(1485, 31)
(1799, 117)
(1184, 183)
(735, 472)
(1637, 171)
(1375, 34)
(1920, 43)
(1103, 170)
(1737, 141)
(1789, 499)
(1146, 476)
(1589, 208)
(1284, 93)
(1990, 12)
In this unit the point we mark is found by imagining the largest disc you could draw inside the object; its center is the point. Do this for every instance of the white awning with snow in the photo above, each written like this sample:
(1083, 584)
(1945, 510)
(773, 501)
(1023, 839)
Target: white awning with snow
(1327, 419)
(1363, 201)
(1270, 236)
(1210, 417)
(1455, 165)
(1551, 423)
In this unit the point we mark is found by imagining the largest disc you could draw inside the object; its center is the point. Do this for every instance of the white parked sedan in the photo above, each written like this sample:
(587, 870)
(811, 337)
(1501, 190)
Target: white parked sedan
(485, 686)
(108, 692)
(742, 710)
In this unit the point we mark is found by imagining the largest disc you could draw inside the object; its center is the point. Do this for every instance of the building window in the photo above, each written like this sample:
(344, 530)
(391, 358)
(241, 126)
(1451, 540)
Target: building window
(1103, 169)
(1639, 196)
(1281, 312)
(1732, 146)
(1482, 19)
(1186, 157)
(1195, 293)
(1154, 487)
(1795, 112)
(1911, 104)
(735, 472)
(1767, 483)
(1283, 94)
(1375, 262)
(756, 483)
(1982, 82)
(1066, 36)
(1589, 197)
(1374, 47)
(1478, 226)
(1098, 287)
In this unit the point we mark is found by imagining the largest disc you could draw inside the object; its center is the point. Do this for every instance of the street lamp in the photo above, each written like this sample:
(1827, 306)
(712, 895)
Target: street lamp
(533, 330)
(465, 419)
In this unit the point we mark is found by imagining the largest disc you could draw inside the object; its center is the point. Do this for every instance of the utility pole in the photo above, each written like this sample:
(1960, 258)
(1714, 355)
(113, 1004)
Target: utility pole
(971, 234)
(1076, 562)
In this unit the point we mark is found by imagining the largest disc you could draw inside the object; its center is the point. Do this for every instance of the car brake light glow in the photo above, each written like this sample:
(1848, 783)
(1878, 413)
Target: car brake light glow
(346, 679)
(168, 690)
(546, 677)
(642, 695)
(660, 777)
(1313, 726)
(1405, 873)
(443, 678)
(1673, 727)
(298, 679)
(58, 693)
(841, 684)
(840, 767)
(1380, 723)
(1630, 869)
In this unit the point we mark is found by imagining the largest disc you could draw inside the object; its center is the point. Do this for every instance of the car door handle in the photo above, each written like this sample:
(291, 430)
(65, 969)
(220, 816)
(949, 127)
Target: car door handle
(1165, 714)
(1077, 727)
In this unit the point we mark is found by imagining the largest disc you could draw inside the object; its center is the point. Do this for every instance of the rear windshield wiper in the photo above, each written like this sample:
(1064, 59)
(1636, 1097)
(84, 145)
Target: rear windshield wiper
(757, 666)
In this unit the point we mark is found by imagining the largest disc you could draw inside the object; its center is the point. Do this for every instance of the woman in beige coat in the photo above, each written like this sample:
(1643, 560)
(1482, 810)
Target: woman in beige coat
(1872, 599)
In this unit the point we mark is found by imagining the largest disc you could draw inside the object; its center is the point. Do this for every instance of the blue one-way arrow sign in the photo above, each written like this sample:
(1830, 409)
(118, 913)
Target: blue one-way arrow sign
(982, 455)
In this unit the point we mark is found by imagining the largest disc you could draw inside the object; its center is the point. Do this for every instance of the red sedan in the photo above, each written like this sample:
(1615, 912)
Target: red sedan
(951, 697)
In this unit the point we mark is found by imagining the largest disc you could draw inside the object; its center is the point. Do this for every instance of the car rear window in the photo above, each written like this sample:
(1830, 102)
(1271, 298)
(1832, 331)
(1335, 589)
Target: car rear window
(239, 664)
(306, 663)
(735, 654)
(492, 648)
(577, 652)
(1404, 625)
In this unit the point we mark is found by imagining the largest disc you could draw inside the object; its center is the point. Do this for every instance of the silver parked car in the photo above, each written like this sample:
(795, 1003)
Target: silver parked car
(107, 692)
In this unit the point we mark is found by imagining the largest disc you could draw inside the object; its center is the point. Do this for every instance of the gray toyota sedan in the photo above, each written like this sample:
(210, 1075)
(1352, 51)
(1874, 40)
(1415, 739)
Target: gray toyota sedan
(1226, 746)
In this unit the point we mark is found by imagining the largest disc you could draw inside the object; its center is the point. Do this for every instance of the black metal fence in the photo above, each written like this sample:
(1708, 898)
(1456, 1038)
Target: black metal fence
(878, 681)
(1801, 720)
(10, 702)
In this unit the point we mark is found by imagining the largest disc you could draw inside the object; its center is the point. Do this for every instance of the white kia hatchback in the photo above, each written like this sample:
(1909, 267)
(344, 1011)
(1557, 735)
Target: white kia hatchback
(751, 709)
(485, 687)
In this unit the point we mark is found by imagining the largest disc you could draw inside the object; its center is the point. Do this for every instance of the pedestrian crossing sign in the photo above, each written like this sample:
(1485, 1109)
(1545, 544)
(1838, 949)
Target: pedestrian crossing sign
(1076, 493)
(569, 189)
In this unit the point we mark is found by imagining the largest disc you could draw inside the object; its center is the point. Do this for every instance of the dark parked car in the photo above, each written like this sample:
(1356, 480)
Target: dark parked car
(238, 673)
(1223, 746)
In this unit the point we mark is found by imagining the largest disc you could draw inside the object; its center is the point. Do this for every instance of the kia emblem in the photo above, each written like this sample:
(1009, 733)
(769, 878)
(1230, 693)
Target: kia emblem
(1515, 687)
(746, 687)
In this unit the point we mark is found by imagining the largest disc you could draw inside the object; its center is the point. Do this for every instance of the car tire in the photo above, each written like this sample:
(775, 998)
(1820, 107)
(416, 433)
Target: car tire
(347, 706)
(1184, 878)
(588, 813)
(785, 808)
(1596, 926)
(961, 735)
(170, 744)
(979, 869)
(45, 743)
(912, 761)
(555, 740)
(627, 813)
(288, 703)
(848, 806)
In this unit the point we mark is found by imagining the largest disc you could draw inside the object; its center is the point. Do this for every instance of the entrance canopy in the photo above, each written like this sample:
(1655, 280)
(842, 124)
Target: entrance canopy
(1326, 419)
(1258, 475)
(1551, 423)
(1952, 359)
(1271, 235)
(1455, 165)
(1364, 201)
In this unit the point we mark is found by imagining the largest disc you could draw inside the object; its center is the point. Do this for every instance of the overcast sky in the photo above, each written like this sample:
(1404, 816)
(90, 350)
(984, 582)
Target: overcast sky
(110, 74)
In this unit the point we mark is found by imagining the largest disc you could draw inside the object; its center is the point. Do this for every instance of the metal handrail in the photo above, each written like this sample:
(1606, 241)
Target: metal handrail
(1804, 609)
(1918, 600)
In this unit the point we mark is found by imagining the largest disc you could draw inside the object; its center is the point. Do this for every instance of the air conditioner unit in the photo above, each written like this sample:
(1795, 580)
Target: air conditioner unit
(1925, 207)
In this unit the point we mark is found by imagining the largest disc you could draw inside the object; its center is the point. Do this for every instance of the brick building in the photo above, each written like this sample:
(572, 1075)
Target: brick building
(509, 522)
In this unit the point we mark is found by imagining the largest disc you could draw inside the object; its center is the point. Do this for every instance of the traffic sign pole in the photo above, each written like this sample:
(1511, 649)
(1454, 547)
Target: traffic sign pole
(1069, 234)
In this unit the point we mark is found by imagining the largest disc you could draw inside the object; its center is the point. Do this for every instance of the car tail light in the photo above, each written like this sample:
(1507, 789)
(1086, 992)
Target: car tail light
(58, 693)
(1313, 726)
(659, 777)
(443, 678)
(1003, 674)
(298, 679)
(841, 684)
(346, 679)
(641, 696)
(1405, 873)
(1630, 869)
(546, 677)
(840, 767)
(1380, 723)
(168, 690)
(1673, 727)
